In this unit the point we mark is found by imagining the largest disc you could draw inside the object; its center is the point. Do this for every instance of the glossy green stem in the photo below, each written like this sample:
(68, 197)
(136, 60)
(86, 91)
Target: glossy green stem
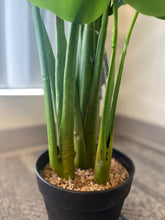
(61, 45)
(44, 55)
(67, 121)
(86, 66)
(92, 115)
(79, 54)
(101, 168)
(120, 71)
(79, 140)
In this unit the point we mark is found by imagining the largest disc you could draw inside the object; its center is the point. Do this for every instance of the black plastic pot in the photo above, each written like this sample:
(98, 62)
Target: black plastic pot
(65, 204)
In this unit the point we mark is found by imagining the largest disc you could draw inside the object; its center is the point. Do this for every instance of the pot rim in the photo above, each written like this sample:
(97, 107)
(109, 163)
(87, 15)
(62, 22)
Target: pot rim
(88, 192)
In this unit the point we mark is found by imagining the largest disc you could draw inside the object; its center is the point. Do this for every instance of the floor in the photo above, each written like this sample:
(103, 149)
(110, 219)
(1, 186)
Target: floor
(21, 200)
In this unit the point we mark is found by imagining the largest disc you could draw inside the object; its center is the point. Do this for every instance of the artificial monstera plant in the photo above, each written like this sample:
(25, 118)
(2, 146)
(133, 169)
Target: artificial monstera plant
(72, 79)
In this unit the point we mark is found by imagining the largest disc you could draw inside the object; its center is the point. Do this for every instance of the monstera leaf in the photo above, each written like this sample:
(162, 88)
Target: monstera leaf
(149, 7)
(79, 11)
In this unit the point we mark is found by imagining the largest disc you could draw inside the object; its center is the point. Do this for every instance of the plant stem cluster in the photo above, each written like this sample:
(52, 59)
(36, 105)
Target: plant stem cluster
(71, 82)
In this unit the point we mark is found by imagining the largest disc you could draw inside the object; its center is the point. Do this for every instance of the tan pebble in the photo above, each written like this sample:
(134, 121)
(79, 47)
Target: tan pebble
(84, 179)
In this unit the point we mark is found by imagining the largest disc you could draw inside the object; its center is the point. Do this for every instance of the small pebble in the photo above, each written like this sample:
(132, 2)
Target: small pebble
(84, 179)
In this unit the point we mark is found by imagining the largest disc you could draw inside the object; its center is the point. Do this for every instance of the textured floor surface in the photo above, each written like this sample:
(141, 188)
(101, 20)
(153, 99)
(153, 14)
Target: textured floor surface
(21, 200)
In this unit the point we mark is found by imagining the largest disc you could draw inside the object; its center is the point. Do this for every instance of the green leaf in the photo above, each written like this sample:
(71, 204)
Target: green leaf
(79, 11)
(149, 7)
(163, 17)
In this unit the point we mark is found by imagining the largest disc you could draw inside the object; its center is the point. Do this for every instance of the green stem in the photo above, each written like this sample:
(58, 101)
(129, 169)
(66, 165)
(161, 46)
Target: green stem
(45, 70)
(86, 66)
(67, 120)
(51, 64)
(60, 64)
(79, 54)
(79, 140)
(92, 115)
(101, 169)
(119, 75)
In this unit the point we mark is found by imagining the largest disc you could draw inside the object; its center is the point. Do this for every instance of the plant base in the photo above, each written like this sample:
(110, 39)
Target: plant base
(65, 204)
(84, 179)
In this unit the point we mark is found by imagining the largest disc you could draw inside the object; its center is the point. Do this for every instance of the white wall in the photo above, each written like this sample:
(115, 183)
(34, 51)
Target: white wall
(142, 93)
(21, 111)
